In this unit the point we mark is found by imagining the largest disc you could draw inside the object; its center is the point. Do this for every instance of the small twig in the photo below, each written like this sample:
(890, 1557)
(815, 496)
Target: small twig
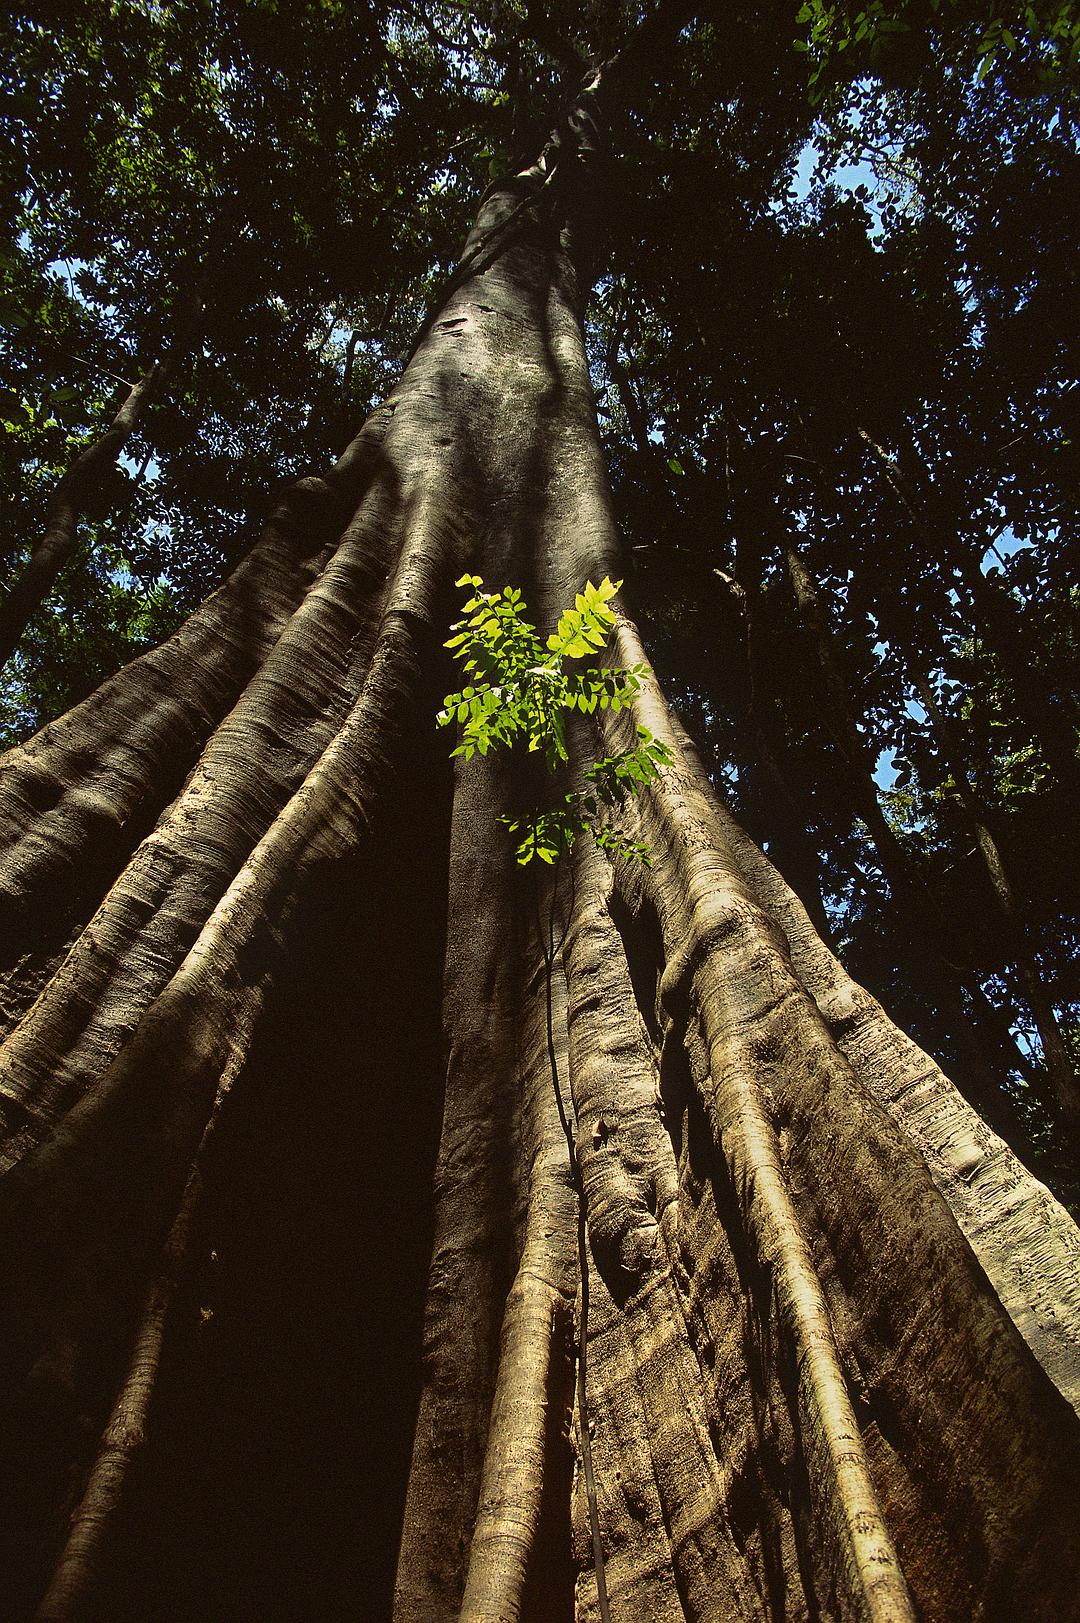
(92, 366)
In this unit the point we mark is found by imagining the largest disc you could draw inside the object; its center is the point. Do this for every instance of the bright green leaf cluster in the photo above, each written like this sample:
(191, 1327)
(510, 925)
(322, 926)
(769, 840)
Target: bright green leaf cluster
(521, 689)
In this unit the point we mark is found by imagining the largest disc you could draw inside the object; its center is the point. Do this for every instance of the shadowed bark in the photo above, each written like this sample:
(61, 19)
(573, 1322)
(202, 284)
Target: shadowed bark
(289, 1231)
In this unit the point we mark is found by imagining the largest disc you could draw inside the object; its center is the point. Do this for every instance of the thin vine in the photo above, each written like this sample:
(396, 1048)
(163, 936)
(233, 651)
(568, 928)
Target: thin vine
(519, 691)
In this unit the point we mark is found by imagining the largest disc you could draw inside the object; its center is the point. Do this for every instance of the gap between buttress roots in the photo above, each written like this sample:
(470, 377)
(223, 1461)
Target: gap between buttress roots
(642, 938)
(643, 945)
(272, 1479)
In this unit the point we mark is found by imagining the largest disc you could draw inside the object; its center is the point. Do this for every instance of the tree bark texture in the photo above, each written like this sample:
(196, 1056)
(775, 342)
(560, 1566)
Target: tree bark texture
(289, 1230)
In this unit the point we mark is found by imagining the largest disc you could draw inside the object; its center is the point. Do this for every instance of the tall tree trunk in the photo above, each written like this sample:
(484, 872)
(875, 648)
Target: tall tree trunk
(76, 488)
(790, 844)
(243, 1115)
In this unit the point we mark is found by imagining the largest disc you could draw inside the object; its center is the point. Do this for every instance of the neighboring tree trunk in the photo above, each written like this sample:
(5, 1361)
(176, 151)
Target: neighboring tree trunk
(1051, 716)
(790, 845)
(937, 945)
(635, 416)
(1015, 941)
(76, 489)
(297, 1047)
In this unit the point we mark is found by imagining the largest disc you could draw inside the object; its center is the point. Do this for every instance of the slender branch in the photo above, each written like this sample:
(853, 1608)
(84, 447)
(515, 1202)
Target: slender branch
(92, 366)
(77, 484)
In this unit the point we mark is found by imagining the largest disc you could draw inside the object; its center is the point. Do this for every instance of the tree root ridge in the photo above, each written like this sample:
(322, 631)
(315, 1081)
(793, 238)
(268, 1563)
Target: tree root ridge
(76, 799)
(730, 978)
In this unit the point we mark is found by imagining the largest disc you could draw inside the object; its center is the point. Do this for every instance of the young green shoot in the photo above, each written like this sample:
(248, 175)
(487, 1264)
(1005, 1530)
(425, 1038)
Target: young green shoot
(520, 689)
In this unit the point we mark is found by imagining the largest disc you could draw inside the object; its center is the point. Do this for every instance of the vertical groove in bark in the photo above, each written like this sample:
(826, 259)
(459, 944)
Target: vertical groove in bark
(532, 1403)
(476, 1252)
(512, 326)
(1027, 1244)
(631, 1185)
(823, 1128)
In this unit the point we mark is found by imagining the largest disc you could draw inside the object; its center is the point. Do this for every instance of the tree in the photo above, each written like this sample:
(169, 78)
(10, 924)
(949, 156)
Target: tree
(289, 1233)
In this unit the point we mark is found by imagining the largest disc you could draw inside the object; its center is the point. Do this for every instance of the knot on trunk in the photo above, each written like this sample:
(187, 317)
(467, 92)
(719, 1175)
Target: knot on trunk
(619, 1185)
(313, 502)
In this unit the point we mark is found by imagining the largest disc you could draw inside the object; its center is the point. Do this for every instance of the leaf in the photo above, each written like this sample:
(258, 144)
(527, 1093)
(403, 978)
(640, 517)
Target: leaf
(522, 693)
